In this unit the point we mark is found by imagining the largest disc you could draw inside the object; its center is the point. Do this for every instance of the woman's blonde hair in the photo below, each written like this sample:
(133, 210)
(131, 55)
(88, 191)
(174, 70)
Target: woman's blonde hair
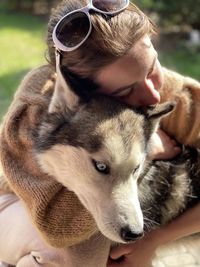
(111, 37)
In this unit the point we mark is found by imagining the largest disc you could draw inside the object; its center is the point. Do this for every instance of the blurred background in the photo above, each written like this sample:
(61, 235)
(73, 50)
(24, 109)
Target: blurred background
(23, 26)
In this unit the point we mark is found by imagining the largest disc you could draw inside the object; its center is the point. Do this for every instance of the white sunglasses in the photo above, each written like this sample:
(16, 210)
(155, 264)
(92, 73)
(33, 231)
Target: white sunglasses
(74, 28)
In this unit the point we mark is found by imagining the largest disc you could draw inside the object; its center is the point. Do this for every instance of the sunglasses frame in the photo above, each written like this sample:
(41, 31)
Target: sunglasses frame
(59, 46)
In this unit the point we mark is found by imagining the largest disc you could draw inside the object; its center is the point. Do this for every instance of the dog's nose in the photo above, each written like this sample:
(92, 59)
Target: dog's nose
(128, 235)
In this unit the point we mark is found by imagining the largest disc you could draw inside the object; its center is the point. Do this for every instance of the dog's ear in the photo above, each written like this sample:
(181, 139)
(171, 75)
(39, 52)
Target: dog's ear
(63, 99)
(154, 114)
(160, 110)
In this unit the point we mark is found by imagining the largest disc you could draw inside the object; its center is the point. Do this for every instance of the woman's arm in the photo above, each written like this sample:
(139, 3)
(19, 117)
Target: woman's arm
(188, 223)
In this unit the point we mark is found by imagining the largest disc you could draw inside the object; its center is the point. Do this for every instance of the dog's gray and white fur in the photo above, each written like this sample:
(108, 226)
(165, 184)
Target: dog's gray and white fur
(98, 149)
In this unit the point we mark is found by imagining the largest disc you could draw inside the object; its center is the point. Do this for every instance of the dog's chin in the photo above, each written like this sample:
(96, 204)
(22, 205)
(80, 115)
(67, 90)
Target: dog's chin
(118, 239)
(113, 237)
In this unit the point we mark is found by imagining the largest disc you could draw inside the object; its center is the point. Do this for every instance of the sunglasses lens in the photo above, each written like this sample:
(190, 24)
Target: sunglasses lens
(110, 5)
(73, 29)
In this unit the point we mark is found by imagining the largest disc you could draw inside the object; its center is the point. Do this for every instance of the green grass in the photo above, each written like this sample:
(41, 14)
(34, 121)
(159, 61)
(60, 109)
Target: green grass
(184, 60)
(22, 48)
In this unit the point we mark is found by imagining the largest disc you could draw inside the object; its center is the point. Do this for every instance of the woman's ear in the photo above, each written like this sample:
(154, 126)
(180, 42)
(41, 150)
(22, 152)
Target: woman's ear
(63, 99)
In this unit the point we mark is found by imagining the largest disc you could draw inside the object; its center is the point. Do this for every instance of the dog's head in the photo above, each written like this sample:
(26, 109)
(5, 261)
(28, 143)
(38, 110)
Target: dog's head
(97, 149)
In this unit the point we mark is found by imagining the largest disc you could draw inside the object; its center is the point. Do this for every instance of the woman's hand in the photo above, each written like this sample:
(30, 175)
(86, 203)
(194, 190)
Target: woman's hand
(138, 254)
(163, 146)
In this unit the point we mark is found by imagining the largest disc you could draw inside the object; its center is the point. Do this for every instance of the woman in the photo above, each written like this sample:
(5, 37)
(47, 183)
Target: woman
(108, 50)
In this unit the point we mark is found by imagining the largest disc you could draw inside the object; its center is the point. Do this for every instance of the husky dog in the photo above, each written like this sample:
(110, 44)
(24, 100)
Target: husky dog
(98, 149)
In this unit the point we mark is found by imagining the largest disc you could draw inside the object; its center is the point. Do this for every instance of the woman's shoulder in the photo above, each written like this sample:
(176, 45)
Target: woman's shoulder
(42, 72)
(36, 87)
(35, 80)
(175, 79)
(31, 98)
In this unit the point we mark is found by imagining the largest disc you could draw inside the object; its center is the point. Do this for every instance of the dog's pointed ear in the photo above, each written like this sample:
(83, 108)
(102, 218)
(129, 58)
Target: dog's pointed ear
(160, 110)
(63, 99)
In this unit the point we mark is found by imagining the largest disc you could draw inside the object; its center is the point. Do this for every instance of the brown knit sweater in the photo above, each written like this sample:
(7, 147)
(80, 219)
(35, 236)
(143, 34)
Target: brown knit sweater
(56, 212)
(184, 122)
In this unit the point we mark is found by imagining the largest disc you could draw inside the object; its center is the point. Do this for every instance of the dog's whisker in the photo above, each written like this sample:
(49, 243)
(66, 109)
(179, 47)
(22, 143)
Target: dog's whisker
(150, 222)
(147, 210)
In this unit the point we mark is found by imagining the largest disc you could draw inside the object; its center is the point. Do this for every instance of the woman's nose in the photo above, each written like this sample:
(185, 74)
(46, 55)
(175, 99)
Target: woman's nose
(149, 85)
(150, 92)
(144, 94)
(156, 77)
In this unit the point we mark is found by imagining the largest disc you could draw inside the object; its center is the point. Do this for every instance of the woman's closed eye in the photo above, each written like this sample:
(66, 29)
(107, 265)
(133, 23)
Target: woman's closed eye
(124, 92)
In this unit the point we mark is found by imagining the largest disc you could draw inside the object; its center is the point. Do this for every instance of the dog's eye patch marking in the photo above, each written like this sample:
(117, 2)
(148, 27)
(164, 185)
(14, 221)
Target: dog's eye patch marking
(101, 167)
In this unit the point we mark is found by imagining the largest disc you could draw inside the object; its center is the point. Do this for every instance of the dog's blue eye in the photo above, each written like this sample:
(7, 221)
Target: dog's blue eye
(101, 167)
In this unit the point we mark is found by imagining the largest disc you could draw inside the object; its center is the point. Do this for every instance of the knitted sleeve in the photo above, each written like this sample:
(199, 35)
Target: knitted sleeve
(56, 212)
(184, 122)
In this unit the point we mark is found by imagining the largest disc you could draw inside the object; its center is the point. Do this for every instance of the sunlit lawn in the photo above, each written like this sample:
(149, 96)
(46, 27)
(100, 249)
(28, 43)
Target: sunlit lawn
(22, 46)
(184, 60)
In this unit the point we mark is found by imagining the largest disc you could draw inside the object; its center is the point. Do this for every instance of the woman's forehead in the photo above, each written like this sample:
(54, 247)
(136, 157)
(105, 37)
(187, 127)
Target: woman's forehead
(133, 66)
(141, 53)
